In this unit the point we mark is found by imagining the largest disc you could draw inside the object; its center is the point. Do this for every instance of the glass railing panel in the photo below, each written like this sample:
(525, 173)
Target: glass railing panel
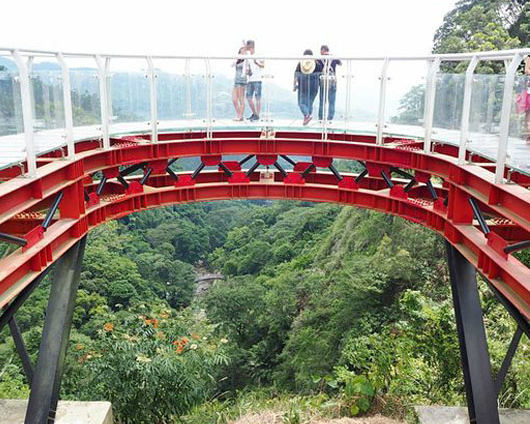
(181, 94)
(228, 91)
(10, 105)
(485, 113)
(290, 90)
(85, 98)
(46, 84)
(519, 133)
(129, 94)
(337, 101)
(357, 101)
(11, 123)
(448, 103)
(405, 97)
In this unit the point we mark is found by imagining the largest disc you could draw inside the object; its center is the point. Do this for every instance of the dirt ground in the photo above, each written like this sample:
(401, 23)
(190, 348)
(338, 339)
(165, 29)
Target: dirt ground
(276, 418)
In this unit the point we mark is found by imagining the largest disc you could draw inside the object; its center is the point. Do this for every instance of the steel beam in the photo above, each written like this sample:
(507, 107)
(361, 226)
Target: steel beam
(508, 360)
(480, 389)
(21, 349)
(55, 334)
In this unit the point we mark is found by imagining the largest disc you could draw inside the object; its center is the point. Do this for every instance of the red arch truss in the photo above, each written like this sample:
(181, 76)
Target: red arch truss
(441, 204)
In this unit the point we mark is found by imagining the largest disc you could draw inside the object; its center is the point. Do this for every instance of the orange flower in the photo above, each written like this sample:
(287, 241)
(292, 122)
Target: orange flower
(155, 323)
(148, 322)
(184, 340)
(179, 350)
(108, 327)
(195, 336)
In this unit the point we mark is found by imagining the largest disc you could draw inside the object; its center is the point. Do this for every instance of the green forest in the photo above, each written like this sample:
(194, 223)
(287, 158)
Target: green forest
(323, 311)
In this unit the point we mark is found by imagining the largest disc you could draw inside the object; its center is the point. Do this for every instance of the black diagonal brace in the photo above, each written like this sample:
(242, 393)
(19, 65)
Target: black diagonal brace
(404, 174)
(123, 181)
(197, 171)
(387, 179)
(501, 376)
(335, 172)
(13, 239)
(101, 185)
(478, 216)
(225, 169)
(308, 170)
(252, 169)
(245, 159)
(517, 246)
(27, 365)
(288, 159)
(146, 176)
(279, 168)
(409, 186)
(172, 174)
(359, 177)
(132, 168)
(432, 190)
(53, 208)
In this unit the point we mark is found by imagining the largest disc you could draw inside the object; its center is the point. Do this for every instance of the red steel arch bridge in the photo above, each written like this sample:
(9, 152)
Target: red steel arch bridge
(84, 141)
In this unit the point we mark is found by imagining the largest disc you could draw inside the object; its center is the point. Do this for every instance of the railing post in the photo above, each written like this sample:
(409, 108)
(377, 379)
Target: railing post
(348, 89)
(382, 95)
(325, 78)
(208, 98)
(103, 72)
(67, 100)
(505, 117)
(466, 110)
(27, 112)
(153, 97)
(430, 97)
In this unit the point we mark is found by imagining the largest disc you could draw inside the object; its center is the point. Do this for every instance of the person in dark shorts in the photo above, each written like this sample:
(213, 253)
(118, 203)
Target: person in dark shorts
(328, 83)
(254, 68)
(240, 85)
(306, 81)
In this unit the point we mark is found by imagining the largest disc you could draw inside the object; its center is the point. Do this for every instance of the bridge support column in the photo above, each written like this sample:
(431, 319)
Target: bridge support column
(480, 389)
(55, 335)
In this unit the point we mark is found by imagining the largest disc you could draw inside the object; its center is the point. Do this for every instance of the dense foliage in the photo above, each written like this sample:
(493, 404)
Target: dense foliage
(346, 306)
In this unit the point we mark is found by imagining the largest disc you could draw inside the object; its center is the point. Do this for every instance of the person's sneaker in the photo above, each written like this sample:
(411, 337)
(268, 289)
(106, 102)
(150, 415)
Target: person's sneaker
(307, 119)
(251, 117)
(254, 118)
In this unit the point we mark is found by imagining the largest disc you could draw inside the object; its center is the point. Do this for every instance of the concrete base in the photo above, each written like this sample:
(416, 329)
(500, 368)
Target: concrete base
(458, 415)
(13, 411)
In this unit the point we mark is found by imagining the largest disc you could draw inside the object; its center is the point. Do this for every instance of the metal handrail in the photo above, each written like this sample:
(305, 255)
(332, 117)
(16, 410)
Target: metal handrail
(24, 59)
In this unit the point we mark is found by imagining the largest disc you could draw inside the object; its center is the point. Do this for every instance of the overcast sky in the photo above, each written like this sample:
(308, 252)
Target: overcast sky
(280, 27)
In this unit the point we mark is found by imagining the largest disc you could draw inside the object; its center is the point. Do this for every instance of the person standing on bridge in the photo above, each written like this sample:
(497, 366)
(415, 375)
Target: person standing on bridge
(240, 83)
(254, 82)
(328, 85)
(306, 81)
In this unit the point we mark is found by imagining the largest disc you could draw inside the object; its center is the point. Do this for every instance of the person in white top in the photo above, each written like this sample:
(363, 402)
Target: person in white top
(253, 94)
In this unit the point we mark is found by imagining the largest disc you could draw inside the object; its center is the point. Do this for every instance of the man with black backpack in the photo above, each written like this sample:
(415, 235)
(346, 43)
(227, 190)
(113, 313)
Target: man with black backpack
(328, 84)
